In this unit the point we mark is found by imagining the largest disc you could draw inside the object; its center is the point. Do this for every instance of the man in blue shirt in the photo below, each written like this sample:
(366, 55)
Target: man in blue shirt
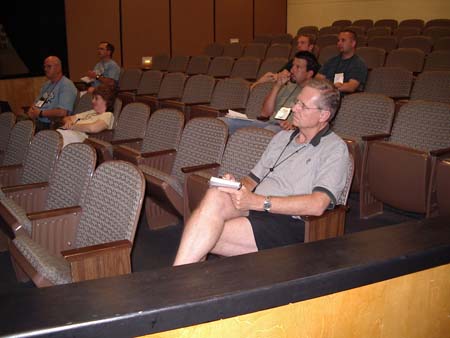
(56, 97)
(106, 71)
(347, 70)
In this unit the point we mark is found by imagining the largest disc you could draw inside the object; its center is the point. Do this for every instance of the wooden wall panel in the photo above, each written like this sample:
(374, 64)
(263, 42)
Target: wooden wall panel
(88, 22)
(145, 30)
(270, 17)
(192, 26)
(21, 91)
(234, 19)
(414, 306)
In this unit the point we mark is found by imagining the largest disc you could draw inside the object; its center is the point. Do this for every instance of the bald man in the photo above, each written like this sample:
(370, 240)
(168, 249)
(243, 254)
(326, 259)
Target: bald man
(56, 98)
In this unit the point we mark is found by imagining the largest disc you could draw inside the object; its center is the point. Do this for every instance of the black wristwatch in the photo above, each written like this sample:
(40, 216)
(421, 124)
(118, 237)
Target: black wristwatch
(40, 114)
(98, 77)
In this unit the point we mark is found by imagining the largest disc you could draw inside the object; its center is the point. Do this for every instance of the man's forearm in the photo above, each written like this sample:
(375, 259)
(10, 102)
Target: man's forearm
(57, 112)
(269, 103)
(312, 204)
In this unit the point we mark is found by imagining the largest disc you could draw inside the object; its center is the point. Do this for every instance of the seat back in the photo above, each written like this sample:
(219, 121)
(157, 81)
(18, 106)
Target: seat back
(84, 103)
(256, 99)
(221, 66)
(272, 65)
(233, 50)
(313, 30)
(327, 53)
(164, 130)
(432, 86)
(394, 82)
(442, 44)
(172, 86)
(387, 43)
(364, 23)
(372, 56)
(19, 141)
(130, 79)
(358, 30)
(279, 50)
(41, 157)
(198, 64)
(378, 31)
(112, 204)
(438, 60)
(364, 114)
(341, 23)
(178, 63)
(391, 23)
(246, 67)
(199, 88)
(422, 42)
(244, 149)
(150, 82)
(404, 31)
(132, 121)
(411, 59)
(230, 93)
(263, 39)
(70, 179)
(203, 141)
(7, 121)
(282, 38)
(327, 40)
(417, 23)
(214, 49)
(438, 22)
(329, 30)
(436, 32)
(422, 125)
(160, 62)
(255, 49)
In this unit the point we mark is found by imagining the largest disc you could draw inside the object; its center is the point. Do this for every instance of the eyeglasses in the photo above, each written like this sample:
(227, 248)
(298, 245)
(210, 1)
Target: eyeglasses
(303, 106)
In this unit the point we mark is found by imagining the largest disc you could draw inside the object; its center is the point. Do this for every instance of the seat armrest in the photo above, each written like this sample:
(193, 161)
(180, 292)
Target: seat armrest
(158, 153)
(134, 91)
(437, 153)
(375, 137)
(194, 168)
(196, 103)
(330, 224)
(99, 261)
(130, 140)
(125, 153)
(23, 187)
(40, 215)
(104, 135)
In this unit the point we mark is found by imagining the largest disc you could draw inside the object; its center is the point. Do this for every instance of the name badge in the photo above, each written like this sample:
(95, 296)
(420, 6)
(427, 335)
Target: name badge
(40, 103)
(339, 78)
(283, 113)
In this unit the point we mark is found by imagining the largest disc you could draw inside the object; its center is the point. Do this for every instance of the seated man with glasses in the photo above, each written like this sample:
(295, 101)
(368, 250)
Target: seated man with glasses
(56, 97)
(302, 172)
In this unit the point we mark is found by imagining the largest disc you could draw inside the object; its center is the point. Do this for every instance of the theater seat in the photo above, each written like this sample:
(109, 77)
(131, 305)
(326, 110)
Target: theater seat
(130, 130)
(397, 171)
(439, 195)
(202, 143)
(7, 121)
(104, 235)
(65, 188)
(244, 149)
(19, 141)
(163, 132)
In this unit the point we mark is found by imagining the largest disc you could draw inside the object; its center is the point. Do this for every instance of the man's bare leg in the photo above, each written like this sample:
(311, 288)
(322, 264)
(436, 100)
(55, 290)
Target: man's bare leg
(237, 238)
(205, 226)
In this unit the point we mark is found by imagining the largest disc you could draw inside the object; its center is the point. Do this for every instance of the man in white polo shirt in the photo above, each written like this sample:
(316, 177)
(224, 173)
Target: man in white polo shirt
(302, 172)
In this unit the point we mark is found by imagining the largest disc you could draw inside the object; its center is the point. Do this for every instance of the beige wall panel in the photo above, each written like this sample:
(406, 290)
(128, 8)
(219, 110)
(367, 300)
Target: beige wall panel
(87, 23)
(324, 12)
(414, 306)
(192, 26)
(145, 30)
(234, 19)
(20, 92)
(270, 17)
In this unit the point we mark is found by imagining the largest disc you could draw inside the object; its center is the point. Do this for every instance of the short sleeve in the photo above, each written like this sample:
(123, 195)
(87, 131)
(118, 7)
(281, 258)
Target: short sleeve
(358, 72)
(66, 96)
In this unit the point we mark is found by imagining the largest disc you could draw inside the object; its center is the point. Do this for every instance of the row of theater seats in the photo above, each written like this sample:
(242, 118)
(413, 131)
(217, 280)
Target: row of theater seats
(67, 224)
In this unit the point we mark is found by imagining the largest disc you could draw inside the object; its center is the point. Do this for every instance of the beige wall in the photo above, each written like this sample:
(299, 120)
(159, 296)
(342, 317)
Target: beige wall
(324, 12)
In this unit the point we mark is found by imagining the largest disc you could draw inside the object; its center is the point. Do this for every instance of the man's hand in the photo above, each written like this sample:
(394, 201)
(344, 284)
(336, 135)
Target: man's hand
(91, 74)
(33, 112)
(283, 77)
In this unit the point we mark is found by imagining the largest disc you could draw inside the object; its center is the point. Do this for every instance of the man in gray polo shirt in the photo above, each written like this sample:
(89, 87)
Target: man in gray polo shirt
(302, 172)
